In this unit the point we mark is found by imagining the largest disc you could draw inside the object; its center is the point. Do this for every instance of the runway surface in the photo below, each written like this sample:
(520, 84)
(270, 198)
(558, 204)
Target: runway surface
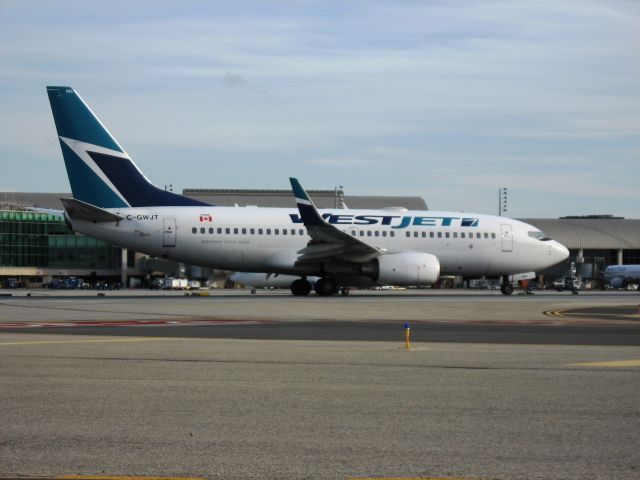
(267, 386)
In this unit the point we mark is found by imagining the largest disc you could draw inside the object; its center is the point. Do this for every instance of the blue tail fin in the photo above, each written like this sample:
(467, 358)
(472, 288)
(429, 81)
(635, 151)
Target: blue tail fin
(100, 171)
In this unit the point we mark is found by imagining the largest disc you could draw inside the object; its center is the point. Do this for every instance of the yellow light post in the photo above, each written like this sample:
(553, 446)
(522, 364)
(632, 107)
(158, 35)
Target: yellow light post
(407, 336)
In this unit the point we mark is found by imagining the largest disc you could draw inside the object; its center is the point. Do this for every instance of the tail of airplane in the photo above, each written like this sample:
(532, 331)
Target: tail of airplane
(100, 171)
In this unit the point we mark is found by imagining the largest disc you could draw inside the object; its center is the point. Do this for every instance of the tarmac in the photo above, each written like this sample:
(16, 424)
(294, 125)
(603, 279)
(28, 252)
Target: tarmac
(235, 386)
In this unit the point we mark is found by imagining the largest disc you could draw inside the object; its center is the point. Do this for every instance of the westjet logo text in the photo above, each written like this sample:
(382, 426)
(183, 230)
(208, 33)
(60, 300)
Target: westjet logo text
(394, 221)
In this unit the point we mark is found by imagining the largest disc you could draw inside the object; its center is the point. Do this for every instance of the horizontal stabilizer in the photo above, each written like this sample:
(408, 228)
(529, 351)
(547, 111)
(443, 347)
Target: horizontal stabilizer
(79, 210)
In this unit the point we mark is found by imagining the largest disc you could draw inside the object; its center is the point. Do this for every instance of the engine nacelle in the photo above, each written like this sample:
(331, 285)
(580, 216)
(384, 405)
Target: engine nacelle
(407, 268)
(617, 282)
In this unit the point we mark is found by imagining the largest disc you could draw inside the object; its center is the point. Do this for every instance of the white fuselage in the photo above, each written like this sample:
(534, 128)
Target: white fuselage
(252, 239)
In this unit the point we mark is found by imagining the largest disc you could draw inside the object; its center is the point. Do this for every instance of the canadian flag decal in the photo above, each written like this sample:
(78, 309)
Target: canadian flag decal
(205, 217)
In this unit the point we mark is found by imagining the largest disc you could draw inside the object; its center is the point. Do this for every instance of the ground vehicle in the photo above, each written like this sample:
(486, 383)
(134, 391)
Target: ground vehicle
(567, 283)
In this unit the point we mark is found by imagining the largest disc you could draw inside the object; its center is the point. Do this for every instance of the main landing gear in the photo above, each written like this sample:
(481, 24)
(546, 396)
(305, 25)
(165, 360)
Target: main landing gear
(323, 287)
(300, 287)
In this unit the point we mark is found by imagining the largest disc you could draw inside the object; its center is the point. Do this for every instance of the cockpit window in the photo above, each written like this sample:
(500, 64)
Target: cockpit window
(538, 235)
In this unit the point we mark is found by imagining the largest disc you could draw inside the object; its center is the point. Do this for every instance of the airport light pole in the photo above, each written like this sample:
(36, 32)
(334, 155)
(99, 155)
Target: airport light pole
(502, 200)
(336, 193)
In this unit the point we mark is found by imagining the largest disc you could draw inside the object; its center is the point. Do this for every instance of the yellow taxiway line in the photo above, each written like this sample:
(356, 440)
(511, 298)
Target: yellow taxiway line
(122, 477)
(615, 363)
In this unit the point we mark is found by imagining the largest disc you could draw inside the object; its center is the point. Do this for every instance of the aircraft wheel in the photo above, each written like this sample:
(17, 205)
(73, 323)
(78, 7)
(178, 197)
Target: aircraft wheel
(344, 291)
(324, 287)
(506, 288)
(253, 291)
(300, 287)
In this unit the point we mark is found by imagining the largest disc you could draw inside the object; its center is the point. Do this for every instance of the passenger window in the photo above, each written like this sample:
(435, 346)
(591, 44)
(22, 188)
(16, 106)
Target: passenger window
(361, 233)
(211, 230)
(392, 233)
(252, 231)
(376, 233)
(384, 233)
(219, 230)
(201, 229)
(478, 235)
(293, 232)
(493, 235)
(301, 232)
(431, 234)
(408, 234)
(439, 234)
(194, 230)
(446, 234)
(276, 231)
(455, 234)
(353, 233)
(415, 234)
(486, 235)
(284, 231)
(462, 235)
(368, 233)
(268, 231)
(260, 231)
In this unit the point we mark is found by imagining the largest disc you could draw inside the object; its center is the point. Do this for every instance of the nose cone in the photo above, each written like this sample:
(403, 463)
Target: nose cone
(559, 252)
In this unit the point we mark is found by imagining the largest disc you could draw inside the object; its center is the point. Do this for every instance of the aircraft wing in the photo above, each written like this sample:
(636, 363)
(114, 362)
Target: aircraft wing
(327, 241)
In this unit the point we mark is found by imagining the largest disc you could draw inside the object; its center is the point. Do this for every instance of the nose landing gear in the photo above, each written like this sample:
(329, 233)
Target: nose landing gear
(506, 288)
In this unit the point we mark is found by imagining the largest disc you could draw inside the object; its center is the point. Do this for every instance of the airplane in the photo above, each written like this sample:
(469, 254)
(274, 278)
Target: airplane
(113, 201)
(619, 276)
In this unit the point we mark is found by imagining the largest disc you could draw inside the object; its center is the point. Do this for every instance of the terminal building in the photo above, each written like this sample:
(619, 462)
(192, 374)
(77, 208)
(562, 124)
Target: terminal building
(36, 248)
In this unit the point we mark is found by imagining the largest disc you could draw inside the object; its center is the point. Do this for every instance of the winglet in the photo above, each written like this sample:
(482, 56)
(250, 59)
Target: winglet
(308, 211)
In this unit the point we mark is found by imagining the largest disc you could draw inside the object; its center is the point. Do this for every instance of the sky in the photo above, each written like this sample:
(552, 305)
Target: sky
(448, 100)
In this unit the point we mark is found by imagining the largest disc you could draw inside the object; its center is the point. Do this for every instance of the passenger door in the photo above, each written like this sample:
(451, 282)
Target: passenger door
(507, 238)
(169, 232)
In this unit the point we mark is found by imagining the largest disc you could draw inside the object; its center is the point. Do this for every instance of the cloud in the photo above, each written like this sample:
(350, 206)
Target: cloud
(234, 80)
(448, 98)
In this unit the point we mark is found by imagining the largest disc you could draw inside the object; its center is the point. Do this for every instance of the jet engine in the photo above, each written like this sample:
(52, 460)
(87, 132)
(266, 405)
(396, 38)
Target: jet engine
(617, 282)
(407, 268)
